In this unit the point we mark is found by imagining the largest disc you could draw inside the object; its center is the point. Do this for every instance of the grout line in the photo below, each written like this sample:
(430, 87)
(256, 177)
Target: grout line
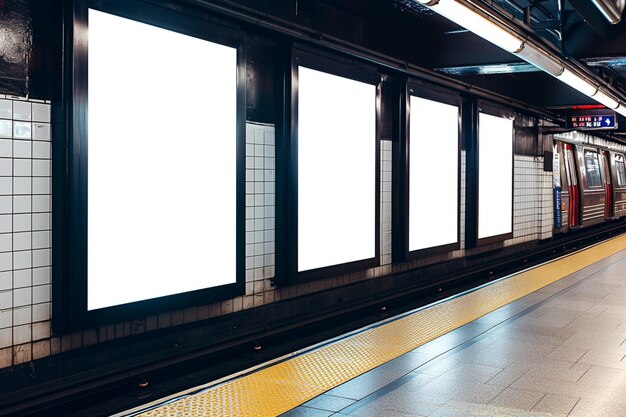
(542, 397)
(572, 409)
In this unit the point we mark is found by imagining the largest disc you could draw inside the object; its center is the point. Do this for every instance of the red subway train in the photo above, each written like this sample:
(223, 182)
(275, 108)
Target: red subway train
(590, 184)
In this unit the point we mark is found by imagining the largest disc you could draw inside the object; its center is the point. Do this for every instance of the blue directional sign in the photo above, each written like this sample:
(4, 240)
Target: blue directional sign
(592, 122)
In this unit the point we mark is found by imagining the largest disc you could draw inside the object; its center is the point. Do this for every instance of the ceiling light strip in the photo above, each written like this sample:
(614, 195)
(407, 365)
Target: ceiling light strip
(481, 24)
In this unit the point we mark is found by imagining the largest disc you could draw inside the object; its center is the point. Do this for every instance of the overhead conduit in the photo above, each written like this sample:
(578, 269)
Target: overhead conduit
(488, 27)
(610, 9)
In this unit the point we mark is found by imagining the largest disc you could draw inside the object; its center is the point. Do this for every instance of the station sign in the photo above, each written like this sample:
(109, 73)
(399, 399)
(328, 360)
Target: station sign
(592, 121)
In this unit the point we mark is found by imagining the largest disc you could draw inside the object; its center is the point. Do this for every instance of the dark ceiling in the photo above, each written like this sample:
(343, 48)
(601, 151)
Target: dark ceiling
(574, 27)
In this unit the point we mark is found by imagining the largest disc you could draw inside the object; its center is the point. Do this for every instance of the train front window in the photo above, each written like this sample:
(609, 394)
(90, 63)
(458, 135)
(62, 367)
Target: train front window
(592, 167)
(621, 171)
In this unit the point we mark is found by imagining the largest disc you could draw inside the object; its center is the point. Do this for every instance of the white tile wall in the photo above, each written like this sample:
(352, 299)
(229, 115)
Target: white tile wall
(532, 201)
(25, 172)
(260, 217)
(385, 206)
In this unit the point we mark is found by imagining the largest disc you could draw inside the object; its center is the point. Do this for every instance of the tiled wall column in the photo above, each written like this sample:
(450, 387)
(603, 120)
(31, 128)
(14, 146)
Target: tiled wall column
(25, 230)
(260, 214)
(528, 200)
(385, 205)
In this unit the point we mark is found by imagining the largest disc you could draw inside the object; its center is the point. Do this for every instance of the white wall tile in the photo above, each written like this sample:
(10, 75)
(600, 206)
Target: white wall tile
(21, 167)
(41, 112)
(6, 109)
(22, 185)
(41, 240)
(6, 204)
(41, 330)
(6, 318)
(41, 149)
(6, 129)
(22, 149)
(6, 167)
(42, 185)
(22, 241)
(41, 294)
(41, 131)
(6, 243)
(22, 334)
(6, 337)
(22, 203)
(22, 315)
(42, 275)
(6, 299)
(22, 259)
(6, 223)
(22, 278)
(22, 297)
(41, 221)
(41, 312)
(6, 185)
(42, 257)
(22, 110)
(6, 262)
(22, 130)
(21, 222)
(42, 203)
(41, 168)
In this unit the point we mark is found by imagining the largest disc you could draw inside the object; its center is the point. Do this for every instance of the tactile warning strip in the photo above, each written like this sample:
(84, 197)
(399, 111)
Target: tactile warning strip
(276, 389)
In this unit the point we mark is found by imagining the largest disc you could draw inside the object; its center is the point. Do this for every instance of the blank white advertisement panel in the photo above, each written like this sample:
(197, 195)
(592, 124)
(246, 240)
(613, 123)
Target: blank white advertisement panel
(495, 175)
(336, 170)
(433, 174)
(162, 162)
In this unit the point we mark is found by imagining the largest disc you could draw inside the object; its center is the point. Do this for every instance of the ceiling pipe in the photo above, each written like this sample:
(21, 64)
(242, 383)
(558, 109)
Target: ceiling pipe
(491, 29)
(610, 9)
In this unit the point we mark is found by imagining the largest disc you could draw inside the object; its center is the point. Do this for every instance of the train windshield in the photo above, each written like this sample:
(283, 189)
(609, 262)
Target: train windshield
(621, 171)
(592, 166)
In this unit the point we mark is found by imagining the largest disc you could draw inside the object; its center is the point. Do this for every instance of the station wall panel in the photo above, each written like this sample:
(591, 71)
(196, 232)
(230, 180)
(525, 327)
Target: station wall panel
(25, 229)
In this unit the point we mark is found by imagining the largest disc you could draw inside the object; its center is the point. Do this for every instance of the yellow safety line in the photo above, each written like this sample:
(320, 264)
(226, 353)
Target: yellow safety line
(276, 389)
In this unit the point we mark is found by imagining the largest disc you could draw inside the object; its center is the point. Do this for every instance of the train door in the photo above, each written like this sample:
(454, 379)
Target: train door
(619, 184)
(561, 190)
(591, 185)
(569, 154)
(608, 185)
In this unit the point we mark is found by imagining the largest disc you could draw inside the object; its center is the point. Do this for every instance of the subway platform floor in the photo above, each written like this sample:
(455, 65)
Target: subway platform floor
(546, 341)
(559, 351)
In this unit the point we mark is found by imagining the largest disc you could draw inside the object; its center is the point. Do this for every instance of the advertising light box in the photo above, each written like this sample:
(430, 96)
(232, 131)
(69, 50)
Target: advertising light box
(161, 162)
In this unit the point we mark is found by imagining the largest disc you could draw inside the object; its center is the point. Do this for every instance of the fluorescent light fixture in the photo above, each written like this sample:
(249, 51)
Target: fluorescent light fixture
(602, 98)
(541, 59)
(577, 82)
(488, 29)
(476, 23)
